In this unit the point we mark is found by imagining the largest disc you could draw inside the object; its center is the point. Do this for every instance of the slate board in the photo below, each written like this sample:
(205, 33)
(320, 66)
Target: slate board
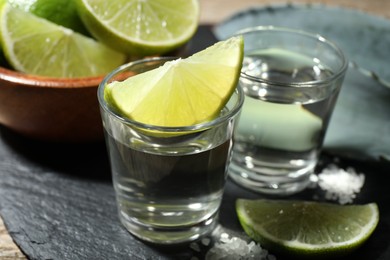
(57, 202)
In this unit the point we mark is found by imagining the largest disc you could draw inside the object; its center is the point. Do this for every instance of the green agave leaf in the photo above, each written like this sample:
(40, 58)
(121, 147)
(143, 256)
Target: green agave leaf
(364, 38)
(360, 125)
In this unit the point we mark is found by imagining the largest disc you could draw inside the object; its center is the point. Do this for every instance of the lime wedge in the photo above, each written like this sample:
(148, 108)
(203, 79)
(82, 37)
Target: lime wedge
(307, 229)
(36, 46)
(62, 12)
(182, 92)
(141, 27)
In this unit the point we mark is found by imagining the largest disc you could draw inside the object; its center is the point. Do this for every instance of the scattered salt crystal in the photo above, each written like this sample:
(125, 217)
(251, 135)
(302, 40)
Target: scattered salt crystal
(340, 184)
(205, 241)
(237, 248)
(224, 236)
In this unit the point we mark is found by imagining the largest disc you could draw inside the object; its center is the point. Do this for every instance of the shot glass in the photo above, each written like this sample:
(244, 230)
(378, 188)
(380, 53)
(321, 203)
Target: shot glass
(168, 181)
(291, 80)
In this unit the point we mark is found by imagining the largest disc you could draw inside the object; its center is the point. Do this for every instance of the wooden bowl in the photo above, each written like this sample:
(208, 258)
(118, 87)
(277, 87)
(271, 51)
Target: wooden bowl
(50, 109)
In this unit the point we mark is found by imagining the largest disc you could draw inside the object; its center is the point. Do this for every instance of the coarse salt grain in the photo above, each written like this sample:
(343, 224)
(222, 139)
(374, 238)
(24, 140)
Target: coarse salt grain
(205, 241)
(236, 248)
(340, 184)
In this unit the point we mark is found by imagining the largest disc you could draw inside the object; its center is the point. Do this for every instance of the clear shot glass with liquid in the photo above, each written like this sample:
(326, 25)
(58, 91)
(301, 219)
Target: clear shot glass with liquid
(291, 80)
(168, 181)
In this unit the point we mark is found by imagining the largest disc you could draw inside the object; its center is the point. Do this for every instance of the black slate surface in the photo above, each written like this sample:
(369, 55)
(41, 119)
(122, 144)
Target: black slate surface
(57, 202)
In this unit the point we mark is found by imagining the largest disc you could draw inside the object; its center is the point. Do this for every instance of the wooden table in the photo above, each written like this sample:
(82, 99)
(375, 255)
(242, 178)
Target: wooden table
(212, 12)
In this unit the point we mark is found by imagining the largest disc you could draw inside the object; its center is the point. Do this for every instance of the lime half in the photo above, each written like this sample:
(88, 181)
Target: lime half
(182, 92)
(307, 229)
(36, 46)
(141, 27)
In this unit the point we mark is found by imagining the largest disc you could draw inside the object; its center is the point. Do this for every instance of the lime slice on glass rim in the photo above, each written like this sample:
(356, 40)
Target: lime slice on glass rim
(307, 229)
(36, 46)
(181, 92)
(141, 27)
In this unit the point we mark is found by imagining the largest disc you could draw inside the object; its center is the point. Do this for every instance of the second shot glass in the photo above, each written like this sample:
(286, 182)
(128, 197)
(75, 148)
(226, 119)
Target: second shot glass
(291, 81)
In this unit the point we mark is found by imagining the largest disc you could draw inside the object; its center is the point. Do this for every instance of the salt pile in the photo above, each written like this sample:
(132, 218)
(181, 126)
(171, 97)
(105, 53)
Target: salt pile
(235, 248)
(339, 184)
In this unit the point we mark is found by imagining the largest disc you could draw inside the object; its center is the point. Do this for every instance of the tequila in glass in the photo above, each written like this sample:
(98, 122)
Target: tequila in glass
(290, 95)
(168, 180)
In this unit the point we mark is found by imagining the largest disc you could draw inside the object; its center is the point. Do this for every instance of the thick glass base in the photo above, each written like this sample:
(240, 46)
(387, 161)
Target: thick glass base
(166, 235)
(268, 181)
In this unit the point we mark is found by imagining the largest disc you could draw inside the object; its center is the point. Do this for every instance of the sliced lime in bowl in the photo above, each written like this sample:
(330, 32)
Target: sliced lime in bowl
(36, 46)
(61, 12)
(141, 28)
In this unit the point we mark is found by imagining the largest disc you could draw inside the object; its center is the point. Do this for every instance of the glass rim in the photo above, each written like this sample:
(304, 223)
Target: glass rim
(340, 72)
(196, 127)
